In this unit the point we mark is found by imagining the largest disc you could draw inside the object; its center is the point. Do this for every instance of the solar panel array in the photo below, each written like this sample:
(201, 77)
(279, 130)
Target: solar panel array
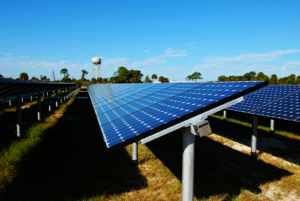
(130, 112)
(275, 101)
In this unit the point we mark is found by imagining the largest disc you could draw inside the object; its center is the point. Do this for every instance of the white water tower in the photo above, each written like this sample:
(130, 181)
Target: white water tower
(96, 71)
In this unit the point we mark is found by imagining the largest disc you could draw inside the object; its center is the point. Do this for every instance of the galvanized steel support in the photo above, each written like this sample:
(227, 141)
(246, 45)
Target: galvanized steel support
(22, 100)
(272, 126)
(254, 136)
(39, 108)
(30, 98)
(56, 98)
(188, 158)
(9, 103)
(19, 118)
(224, 115)
(64, 95)
(50, 101)
(61, 94)
(135, 150)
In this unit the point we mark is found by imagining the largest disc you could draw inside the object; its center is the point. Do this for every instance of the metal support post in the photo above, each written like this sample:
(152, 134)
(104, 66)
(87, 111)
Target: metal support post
(19, 118)
(64, 95)
(50, 101)
(22, 100)
(56, 98)
(30, 98)
(39, 108)
(135, 150)
(47, 94)
(43, 95)
(272, 126)
(9, 103)
(254, 136)
(61, 99)
(188, 157)
(224, 115)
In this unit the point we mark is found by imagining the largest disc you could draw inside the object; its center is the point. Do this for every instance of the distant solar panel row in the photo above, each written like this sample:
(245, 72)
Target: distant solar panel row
(130, 112)
(276, 101)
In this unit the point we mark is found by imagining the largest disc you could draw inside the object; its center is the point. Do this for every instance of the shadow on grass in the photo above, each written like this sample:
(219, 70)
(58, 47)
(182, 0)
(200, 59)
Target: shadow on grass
(218, 169)
(8, 120)
(276, 145)
(72, 163)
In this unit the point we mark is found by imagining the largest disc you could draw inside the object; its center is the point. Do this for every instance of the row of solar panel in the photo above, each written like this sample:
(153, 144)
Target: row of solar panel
(128, 110)
(275, 101)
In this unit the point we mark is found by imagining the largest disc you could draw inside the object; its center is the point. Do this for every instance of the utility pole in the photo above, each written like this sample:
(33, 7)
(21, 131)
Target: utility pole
(53, 76)
(131, 62)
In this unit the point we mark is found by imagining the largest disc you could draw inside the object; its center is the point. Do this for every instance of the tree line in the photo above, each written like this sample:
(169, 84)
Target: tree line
(252, 76)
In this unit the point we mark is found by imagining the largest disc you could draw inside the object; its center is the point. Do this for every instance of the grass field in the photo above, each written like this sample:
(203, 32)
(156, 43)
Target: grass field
(63, 157)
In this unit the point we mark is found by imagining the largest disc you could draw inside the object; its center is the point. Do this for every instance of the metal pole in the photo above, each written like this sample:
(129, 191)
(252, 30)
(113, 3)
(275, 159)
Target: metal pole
(22, 100)
(9, 103)
(135, 150)
(19, 118)
(39, 108)
(254, 137)
(61, 96)
(272, 126)
(30, 98)
(50, 101)
(224, 115)
(96, 72)
(188, 157)
(56, 98)
(64, 95)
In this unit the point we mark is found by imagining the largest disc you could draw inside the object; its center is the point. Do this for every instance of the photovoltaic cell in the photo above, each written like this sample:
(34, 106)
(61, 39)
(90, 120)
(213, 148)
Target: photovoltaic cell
(138, 115)
(264, 96)
(287, 108)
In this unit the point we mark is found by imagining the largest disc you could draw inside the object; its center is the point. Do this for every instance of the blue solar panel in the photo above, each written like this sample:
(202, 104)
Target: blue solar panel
(264, 96)
(285, 108)
(138, 115)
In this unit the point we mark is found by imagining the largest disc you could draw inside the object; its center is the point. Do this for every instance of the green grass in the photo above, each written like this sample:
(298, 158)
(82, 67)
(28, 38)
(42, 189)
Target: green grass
(64, 158)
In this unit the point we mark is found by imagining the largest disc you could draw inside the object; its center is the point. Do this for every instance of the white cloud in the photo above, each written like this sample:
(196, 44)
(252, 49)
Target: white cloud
(161, 59)
(147, 50)
(191, 45)
(24, 57)
(6, 54)
(191, 58)
(248, 58)
(291, 65)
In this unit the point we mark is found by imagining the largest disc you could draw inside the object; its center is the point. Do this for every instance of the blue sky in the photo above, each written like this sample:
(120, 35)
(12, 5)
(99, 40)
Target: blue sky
(168, 38)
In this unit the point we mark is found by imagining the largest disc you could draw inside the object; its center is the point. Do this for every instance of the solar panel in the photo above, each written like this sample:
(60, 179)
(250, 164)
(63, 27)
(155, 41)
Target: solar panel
(264, 96)
(136, 112)
(287, 108)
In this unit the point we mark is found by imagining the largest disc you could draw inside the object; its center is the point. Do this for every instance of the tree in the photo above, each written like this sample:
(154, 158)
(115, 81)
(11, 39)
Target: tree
(147, 79)
(161, 79)
(273, 79)
(34, 79)
(221, 78)
(105, 80)
(197, 75)
(1, 76)
(189, 77)
(138, 75)
(166, 80)
(64, 71)
(154, 77)
(84, 72)
(260, 76)
(24, 76)
(249, 75)
(100, 79)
